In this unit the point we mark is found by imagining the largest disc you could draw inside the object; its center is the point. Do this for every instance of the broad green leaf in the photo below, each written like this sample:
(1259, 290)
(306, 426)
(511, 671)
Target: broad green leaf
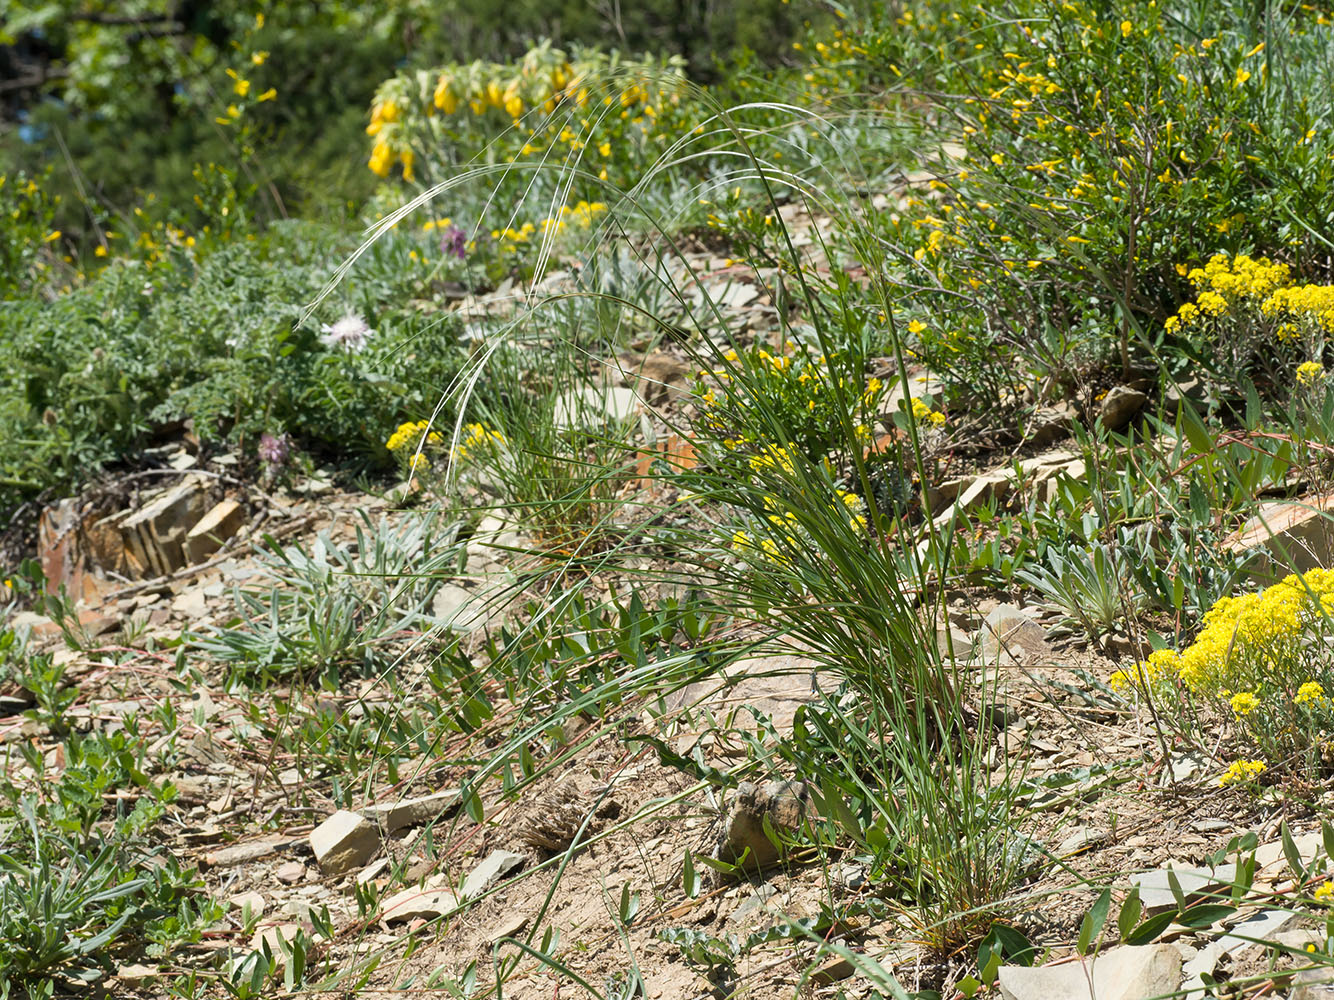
(1090, 928)
(690, 880)
(1290, 852)
(1205, 914)
(1150, 929)
(1130, 913)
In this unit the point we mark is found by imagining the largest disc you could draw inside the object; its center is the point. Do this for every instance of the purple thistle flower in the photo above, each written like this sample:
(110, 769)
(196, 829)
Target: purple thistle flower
(455, 242)
(275, 451)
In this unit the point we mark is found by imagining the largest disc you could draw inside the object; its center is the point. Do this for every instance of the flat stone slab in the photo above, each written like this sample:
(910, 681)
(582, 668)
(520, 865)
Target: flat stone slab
(1155, 890)
(393, 816)
(596, 405)
(344, 841)
(1124, 973)
(413, 904)
(775, 686)
(496, 866)
(1308, 845)
(1296, 533)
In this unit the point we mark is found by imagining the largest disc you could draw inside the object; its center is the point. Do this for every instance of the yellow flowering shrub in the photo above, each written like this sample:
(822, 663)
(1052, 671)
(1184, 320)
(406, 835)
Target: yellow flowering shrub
(1265, 660)
(1251, 308)
(413, 435)
(806, 392)
(590, 103)
(1092, 155)
(414, 440)
(476, 441)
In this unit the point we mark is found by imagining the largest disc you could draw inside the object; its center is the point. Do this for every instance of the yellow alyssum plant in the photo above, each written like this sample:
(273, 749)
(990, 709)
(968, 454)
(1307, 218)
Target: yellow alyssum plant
(1254, 306)
(1265, 660)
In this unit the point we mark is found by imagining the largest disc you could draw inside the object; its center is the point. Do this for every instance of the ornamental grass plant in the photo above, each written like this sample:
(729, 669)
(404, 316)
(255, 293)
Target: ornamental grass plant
(788, 520)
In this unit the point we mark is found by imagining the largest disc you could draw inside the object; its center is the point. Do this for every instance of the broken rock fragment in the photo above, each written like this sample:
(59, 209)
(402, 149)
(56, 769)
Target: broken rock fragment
(783, 802)
(344, 841)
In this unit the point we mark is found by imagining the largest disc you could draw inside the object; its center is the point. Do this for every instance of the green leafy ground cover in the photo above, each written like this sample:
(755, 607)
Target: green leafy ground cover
(938, 241)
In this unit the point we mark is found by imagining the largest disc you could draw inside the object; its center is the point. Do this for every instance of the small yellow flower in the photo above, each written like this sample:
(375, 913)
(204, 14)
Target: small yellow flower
(1310, 372)
(1325, 893)
(1126, 29)
(1244, 703)
(1240, 770)
(1309, 693)
(916, 326)
(258, 58)
(268, 95)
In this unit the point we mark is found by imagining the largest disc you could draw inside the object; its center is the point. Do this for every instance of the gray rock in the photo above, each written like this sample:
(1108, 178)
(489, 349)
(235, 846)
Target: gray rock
(1009, 632)
(1287, 535)
(833, 970)
(1155, 891)
(775, 686)
(1051, 423)
(1081, 840)
(393, 816)
(596, 404)
(783, 802)
(344, 841)
(507, 928)
(1262, 926)
(192, 603)
(1124, 973)
(956, 640)
(1185, 766)
(411, 904)
(496, 866)
(1308, 845)
(275, 936)
(251, 850)
(1314, 984)
(223, 521)
(254, 900)
(458, 607)
(138, 975)
(1119, 407)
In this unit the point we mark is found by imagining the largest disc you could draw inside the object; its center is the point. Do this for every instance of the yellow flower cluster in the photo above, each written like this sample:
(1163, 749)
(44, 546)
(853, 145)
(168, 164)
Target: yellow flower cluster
(1259, 287)
(410, 435)
(1244, 703)
(544, 78)
(1240, 277)
(1310, 372)
(1261, 630)
(580, 216)
(742, 541)
(854, 506)
(921, 411)
(476, 438)
(1162, 664)
(773, 456)
(1239, 771)
(1310, 693)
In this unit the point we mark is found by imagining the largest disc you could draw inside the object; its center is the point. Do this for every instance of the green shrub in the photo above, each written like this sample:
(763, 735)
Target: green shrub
(1096, 161)
(210, 336)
